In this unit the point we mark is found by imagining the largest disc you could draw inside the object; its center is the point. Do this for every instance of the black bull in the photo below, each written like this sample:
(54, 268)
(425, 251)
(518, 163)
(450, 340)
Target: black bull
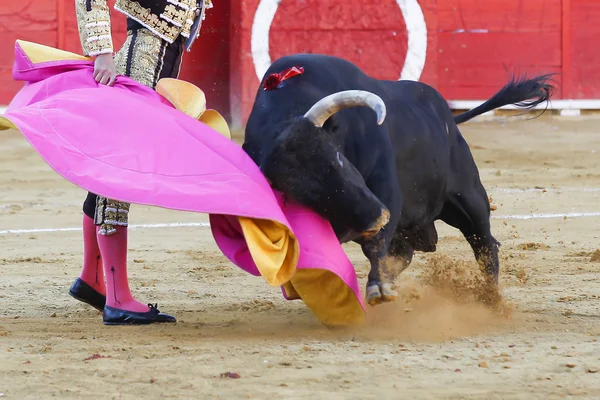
(381, 182)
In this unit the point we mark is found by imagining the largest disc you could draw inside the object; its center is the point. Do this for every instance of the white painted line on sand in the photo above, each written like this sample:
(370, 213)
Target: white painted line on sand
(48, 205)
(545, 216)
(550, 190)
(140, 226)
(206, 224)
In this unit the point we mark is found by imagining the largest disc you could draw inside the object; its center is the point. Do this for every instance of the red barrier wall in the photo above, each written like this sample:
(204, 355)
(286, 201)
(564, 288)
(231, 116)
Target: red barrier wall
(481, 42)
(34, 20)
(472, 46)
(581, 67)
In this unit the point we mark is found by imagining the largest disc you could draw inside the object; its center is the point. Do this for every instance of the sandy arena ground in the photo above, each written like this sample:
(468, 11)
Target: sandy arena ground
(543, 343)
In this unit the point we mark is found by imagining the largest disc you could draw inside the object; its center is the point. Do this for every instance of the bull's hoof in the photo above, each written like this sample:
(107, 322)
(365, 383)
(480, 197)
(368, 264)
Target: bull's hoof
(374, 229)
(383, 293)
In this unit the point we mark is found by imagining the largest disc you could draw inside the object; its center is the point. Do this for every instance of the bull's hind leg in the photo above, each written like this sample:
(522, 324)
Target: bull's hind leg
(470, 212)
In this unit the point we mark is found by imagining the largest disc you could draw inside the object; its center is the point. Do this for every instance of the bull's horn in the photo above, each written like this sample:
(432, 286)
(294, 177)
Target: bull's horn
(327, 106)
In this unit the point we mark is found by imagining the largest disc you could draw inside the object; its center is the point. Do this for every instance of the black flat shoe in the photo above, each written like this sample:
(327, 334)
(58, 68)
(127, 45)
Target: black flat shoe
(85, 293)
(115, 316)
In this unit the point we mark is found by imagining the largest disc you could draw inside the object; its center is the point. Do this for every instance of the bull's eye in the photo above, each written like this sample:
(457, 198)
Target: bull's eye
(339, 159)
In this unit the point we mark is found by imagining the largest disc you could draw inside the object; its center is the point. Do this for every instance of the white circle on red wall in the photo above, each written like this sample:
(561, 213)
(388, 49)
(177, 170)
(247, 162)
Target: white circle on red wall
(416, 52)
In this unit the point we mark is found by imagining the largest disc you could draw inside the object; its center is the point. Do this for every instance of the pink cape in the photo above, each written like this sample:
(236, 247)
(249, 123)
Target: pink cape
(129, 143)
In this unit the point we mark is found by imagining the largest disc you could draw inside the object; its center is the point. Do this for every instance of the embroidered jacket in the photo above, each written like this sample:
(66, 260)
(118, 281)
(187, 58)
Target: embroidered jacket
(165, 18)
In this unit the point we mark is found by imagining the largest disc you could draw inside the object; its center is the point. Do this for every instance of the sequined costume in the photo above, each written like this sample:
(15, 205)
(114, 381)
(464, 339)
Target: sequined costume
(158, 31)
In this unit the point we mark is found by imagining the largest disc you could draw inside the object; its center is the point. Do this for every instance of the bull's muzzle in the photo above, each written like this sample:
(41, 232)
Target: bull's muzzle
(374, 229)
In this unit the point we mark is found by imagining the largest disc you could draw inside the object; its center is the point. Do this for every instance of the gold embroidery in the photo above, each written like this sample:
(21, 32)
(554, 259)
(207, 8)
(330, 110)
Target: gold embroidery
(183, 5)
(100, 46)
(166, 29)
(109, 214)
(94, 27)
(145, 60)
(97, 30)
(173, 15)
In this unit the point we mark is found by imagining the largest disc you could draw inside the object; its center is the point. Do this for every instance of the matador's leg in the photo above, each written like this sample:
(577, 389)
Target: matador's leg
(90, 287)
(112, 219)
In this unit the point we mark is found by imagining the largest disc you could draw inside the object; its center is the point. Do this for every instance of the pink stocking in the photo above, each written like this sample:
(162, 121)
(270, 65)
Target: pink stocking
(114, 256)
(92, 272)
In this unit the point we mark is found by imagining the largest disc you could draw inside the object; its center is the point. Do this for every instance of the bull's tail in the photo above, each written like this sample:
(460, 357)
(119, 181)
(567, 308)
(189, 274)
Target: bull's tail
(522, 92)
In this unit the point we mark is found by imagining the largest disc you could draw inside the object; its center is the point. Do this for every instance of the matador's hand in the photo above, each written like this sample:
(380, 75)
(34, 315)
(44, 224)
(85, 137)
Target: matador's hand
(105, 71)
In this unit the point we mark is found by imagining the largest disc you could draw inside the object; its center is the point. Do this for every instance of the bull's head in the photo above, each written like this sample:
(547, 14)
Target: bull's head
(307, 163)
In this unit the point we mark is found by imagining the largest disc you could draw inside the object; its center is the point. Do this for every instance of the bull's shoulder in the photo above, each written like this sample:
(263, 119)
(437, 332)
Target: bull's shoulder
(412, 91)
(414, 87)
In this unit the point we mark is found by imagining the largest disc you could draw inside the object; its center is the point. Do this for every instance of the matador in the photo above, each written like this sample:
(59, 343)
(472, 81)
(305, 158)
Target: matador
(158, 33)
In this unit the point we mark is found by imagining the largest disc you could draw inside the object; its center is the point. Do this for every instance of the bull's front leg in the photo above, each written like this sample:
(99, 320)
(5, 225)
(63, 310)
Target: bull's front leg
(385, 268)
(380, 248)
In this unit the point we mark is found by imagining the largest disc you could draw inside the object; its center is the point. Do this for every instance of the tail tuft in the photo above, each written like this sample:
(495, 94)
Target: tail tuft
(522, 92)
